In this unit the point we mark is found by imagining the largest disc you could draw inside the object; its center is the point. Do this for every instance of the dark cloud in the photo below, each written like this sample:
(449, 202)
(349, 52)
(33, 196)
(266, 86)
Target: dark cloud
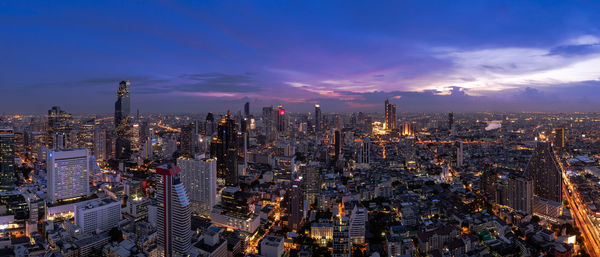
(575, 50)
(219, 82)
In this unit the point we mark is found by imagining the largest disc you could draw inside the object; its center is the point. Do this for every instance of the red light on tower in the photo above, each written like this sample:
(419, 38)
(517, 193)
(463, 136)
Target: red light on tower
(281, 112)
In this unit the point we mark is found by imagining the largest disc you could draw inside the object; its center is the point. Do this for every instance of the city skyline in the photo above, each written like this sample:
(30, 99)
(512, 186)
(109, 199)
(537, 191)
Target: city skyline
(201, 57)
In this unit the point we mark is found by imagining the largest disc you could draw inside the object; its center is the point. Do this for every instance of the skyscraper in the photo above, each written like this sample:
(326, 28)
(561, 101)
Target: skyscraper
(559, 138)
(268, 122)
(7, 158)
(68, 174)
(100, 144)
(281, 120)
(247, 110)
(173, 214)
(295, 211)
(122, 120)
(459, 154)
(85, 135)
(210, 126)
(317, 118)
(312, 181)
(450, 121)
(364, 154)
(546, 173)
(337, 144)
(390, 115)
(188, 140)
(341, 237)
(200, 180)
(59, 126)
(225, 150)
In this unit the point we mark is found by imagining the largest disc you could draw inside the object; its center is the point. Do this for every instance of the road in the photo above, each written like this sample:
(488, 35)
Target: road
(582, 220)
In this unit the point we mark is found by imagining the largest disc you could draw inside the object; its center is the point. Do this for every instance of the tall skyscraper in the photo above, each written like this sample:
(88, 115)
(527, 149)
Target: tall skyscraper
(7, 158)
(520, 193)
(188, 140)
(247, 110)
(281, 120)
(173, 215)
(294, 209)
(559, 138)
(122, 120)
(210, 126)
(225, 150)
(268, 123)
(68, 174)
(60, 124)
(85, 135)
(546, 172)
(100, 144)
(364, 154)
(390, 115)
(317, 118)
(337, 143)
(312, 180)
(459, 154)
(450, 121)
(200, 180)
(341, 237)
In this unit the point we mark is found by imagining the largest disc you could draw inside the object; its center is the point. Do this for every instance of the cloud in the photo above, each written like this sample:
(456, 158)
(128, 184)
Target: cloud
(219, 82)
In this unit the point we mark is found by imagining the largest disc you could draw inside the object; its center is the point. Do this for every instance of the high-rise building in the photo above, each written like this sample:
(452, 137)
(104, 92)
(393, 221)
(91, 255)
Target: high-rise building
(459, 154)
(60, 124)
(546, 172)
(225, 150)
(281, 120)
(85, 135)
(98, 216)
(100, 144)
(294, 209)
(20, 144)
(341, 237)
(450, 121)
(364, 154)
(519, 193)
(390, 115)
(317, 118)
(188, 140)
(7, 158)
(487, 181)
(358, 221)
(122, 122)
(247, 110)
(68, 174)
(210, 126)
(559, 137)
(173, 213)
(200, 180)
(312, 181)
(268, 123)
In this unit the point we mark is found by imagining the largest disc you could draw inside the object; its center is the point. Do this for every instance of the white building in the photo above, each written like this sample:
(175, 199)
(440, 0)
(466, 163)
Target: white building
(358, 219)
(98, 216)
(249, 225)
(68, 174)
(200, 180)
(271, 246)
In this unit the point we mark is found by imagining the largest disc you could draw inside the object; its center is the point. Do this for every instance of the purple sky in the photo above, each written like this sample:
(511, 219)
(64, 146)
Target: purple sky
(203, 56)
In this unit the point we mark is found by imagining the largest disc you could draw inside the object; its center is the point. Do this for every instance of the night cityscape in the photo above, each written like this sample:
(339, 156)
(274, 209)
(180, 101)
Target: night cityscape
(299, 129)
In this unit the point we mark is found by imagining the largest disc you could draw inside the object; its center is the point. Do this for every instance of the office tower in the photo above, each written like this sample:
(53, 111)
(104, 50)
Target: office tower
(210, 127)
(358, 221)
(546, 172)
(20, 144)
(35, 141)
(173, 213)
(281, 120)
(100, 144)
(459, 154)
(122, 120)
(98, 216)
(294, 209)
(312, 181)
(59, 125)
(317, 118)
(85, 135)
(7, 158)
(390, 115)
(520, 193)
(200, 180)
(487, 181)
(136, 137)
(225, 150)
(188, 140)
(364, 154)
(148, 151)
(268, 122)
(337, 143)
(247, 110)
(68, 174)
(341, 237)
(450, 121)
(559, 138)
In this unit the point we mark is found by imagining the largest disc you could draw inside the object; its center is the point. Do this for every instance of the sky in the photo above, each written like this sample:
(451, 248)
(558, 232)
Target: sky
(200, 56)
